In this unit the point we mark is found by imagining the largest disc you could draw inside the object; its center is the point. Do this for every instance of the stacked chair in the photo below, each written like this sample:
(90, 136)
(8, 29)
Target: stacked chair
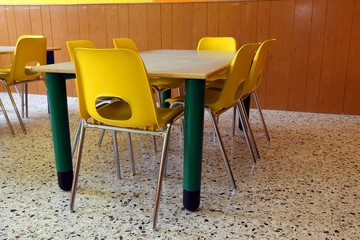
(255, 77)
(218, 102)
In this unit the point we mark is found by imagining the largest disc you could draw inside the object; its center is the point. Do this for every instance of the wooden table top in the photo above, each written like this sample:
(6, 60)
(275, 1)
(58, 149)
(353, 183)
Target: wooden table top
(191, 64)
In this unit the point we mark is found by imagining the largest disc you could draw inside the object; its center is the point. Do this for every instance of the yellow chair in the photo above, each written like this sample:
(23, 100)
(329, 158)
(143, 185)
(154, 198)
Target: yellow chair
(255, 77)
(129, 44)
(71, 46)
(217, 102)
(6, 118)
(217, 43)
(221, 44)
(30, 50)
(158, 84)
(112, 73)
(125, 43)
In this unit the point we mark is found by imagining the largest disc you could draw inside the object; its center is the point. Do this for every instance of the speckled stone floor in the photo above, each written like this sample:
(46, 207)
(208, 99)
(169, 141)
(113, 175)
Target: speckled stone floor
(306, 185)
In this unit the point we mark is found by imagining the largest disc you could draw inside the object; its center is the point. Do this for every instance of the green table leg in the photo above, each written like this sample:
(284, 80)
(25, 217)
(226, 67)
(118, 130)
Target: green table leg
(56, 89)
(50, 57)
(193, 142)
(165, 95)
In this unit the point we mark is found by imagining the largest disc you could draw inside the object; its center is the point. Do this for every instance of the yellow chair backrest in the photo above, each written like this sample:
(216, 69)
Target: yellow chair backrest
(125, 43)
(217, 43)
(71, 45)
(257, 68)
(30, 51)
(237, 77)
(115, 73)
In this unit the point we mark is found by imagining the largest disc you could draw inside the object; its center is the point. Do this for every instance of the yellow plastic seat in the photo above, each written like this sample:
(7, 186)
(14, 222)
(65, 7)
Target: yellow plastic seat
(112, 73)
(128, 43)
(125, 43)
(158, 84)
(30, 51)
(221, 44)
(6, 117)
(71, 46)
(217, 43)
(255, 77)
(218, 102)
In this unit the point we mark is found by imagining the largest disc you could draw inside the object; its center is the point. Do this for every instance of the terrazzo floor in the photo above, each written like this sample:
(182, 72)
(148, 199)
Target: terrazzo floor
(306, 185)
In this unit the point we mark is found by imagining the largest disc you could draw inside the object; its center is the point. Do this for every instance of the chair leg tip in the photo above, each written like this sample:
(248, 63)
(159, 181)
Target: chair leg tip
(154, 227)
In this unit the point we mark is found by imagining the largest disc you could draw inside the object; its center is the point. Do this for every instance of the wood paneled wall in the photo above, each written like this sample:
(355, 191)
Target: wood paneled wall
(314, 65)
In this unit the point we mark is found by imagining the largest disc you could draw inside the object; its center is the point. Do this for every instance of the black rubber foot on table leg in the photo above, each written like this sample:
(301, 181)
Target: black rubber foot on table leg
(191, 200)
(65, 180)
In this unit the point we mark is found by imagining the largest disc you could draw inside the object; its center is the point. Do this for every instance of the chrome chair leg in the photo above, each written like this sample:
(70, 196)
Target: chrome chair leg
(174, 104)
(233, 121)
(101, 137)
(154, 144)
(182, 125)
(77, 166)
(26, 100)
(261, 116)
(223, 152)
(7, 118)
(15, 107)
(116, 155)
(246, 134)
(248, 127)
(131, 153)
(22, 98)
(158, 93)
(17, 90)
(76, 138)
(161, 174)
(180, 90)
